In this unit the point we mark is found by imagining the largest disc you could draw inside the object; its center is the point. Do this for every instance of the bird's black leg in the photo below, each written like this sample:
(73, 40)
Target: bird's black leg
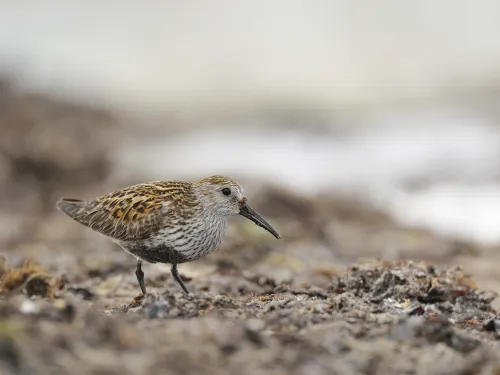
(177, 278)
(140, 277)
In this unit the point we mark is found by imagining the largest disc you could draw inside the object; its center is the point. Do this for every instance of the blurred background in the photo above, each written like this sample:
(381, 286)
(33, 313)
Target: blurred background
(360, 128)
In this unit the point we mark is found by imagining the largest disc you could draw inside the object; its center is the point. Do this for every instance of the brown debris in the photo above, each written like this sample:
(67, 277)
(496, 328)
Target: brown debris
(137, 301)
(401, 315)
(31, 277)
(405, 287)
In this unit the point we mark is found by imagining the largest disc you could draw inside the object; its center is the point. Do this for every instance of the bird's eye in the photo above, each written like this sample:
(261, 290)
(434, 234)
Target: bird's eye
(226, 191)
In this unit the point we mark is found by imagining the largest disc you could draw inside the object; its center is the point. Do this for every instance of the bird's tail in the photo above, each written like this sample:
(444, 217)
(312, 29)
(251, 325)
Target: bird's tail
(74, 208)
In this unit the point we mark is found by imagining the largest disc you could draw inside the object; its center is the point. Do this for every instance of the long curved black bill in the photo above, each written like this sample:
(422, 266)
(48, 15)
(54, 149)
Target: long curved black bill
(250, 213)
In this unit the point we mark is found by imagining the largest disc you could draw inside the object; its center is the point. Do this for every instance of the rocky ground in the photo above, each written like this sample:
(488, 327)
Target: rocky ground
(315, 302)
(375, 318)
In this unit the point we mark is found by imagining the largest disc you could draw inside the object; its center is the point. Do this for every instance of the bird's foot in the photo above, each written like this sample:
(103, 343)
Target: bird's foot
(137, 301)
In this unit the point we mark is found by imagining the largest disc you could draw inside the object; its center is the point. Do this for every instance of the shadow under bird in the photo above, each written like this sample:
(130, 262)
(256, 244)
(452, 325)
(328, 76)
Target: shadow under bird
(166, 221)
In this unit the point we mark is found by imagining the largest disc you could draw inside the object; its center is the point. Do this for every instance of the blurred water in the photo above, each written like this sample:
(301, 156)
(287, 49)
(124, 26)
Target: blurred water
(440, 171)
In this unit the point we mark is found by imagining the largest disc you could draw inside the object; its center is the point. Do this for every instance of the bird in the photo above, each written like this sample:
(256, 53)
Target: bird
(170, 222)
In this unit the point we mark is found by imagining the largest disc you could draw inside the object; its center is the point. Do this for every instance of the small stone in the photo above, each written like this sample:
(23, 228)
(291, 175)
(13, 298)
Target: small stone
(492, 325)
(255, 324)
(318, 309)
(64, 310)
(28, 307)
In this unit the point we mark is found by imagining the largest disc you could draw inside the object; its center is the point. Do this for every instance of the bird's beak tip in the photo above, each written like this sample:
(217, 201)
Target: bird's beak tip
(250, 214)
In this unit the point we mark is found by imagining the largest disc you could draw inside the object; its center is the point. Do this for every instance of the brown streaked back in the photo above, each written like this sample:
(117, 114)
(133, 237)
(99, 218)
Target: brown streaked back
(132, 213)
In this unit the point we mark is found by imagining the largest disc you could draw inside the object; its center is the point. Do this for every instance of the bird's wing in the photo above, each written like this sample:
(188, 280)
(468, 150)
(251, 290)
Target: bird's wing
(129, 214)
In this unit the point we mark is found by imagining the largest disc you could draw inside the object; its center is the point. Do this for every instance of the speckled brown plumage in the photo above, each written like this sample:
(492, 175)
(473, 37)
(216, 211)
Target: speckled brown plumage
(166, 221)
(133, 213)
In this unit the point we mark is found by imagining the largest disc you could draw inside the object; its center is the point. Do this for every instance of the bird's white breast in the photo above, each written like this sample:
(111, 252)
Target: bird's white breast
(196, 238)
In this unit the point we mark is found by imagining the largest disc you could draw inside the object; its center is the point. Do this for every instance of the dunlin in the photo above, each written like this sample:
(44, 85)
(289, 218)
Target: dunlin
(166, 221)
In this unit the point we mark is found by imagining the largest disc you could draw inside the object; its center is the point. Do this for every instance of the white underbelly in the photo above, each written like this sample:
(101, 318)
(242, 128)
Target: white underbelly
(196, 241)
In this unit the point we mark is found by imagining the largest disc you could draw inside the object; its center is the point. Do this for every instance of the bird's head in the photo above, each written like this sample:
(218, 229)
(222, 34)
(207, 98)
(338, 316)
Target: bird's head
(225, 197)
